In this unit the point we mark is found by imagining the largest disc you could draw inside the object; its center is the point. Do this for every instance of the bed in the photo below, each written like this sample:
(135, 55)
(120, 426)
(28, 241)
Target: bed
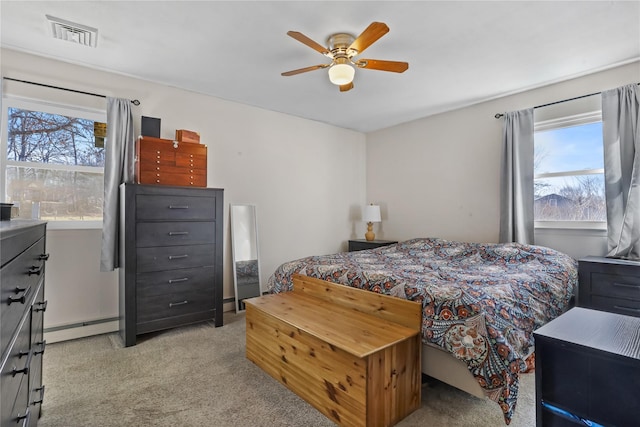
(481, 303)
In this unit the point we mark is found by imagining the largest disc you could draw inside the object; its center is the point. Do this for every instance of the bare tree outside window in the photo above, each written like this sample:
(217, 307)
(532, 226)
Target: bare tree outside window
(54, 169)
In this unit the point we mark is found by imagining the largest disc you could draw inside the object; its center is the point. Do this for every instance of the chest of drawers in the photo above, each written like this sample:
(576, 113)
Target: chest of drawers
(611, 285)
(23, 257)
(588, 368)
(166, 162)
(170, 258)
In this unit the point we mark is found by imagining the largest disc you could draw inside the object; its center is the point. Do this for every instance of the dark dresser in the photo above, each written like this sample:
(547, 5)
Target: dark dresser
(588, 368)
(610, 285)
(363, 244)
(170, 258)
(23, 256)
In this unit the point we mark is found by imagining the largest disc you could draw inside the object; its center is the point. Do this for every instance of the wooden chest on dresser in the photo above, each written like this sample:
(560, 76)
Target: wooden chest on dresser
(23, 257)
(609, 285)
(170, 258)
(166, 162)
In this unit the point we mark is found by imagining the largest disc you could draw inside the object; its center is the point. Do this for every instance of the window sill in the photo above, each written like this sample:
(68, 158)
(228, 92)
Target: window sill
(571, 225)
(73, 225)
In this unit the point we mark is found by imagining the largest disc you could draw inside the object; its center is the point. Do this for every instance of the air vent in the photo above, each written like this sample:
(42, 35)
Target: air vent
(72, 32)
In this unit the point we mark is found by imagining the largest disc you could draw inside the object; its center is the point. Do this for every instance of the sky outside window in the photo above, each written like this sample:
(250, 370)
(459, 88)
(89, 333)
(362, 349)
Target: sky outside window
(569, 149)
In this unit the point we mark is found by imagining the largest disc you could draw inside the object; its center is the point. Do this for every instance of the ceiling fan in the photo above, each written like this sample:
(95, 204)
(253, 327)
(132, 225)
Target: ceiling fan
(342, 50)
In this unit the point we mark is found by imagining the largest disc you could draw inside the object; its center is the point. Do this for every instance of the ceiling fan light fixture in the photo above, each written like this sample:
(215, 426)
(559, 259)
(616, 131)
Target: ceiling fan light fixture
(341, 74)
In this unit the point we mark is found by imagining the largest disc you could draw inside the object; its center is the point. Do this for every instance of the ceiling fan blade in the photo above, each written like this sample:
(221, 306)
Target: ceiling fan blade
(304, 70)
(348, 86)
(372, 33)
(312, 44)
(376, 64)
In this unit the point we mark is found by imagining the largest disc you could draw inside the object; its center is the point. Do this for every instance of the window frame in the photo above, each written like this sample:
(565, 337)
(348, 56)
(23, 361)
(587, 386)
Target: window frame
(97, 115)
(565, 121)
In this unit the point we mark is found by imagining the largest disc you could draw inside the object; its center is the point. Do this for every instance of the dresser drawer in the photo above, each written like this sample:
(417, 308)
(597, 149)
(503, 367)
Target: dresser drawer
(166, 282)
(174, 257)
(175, 208)
(615, 285)
(180, 179)
(175, 304)
(37, 316)
(192, 161)
(16, 367)
(174, 233)
(616, 305)
(15, 243)
(19, 280)
(36, 389)
(17, 411)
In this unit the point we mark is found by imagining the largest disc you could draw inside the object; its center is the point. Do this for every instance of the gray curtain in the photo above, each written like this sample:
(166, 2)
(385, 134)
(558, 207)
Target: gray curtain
(118, 168)
(621, 134)
(516, 189)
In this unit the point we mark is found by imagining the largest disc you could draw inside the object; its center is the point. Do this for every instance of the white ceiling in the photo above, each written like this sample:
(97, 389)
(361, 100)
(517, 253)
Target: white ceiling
(459, 53)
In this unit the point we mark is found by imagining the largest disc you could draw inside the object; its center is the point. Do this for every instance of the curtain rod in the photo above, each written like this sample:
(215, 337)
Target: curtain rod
(133, 101)
(498, 115)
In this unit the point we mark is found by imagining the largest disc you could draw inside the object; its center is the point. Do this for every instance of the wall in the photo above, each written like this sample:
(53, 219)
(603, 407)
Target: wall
(437, 176)
(440, 176)
(305, 178)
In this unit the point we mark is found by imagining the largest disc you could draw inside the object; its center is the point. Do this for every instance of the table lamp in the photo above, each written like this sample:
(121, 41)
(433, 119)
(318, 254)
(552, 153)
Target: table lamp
(371, 214)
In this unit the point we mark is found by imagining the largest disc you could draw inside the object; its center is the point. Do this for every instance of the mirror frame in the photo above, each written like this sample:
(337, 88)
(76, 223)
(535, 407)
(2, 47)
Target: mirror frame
(239, 306)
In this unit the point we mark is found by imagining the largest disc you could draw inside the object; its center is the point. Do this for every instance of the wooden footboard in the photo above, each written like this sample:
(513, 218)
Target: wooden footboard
(354, 355)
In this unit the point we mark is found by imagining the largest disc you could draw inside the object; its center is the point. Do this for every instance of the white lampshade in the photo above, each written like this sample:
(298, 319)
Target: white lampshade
(371, 213)
(341, 74)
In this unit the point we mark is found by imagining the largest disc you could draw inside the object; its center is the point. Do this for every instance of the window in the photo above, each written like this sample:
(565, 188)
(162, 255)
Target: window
(53, 167)
(569, 172)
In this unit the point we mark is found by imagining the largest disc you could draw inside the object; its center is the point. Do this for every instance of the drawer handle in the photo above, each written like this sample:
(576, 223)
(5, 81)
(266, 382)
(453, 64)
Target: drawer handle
(182, 279)
(25, 371)
(26, 417)
(625, 285)
(44, 257)
(42, 306)
(634, 310)
(41, 399)
(178, 233)
(173, 304)
(178, 256)
(43, 344)
(178, 207)
(35, 270)
(21, 299)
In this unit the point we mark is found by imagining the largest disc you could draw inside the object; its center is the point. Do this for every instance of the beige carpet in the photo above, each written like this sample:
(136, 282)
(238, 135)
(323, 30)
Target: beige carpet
(199, 376)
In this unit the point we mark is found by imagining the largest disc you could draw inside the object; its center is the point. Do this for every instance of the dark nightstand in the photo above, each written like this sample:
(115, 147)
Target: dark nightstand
(362, 244)
(588, 366)
(609, 284)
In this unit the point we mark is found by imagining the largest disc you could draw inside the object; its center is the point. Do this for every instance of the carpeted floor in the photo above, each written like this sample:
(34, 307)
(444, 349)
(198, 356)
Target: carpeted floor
(199, 376)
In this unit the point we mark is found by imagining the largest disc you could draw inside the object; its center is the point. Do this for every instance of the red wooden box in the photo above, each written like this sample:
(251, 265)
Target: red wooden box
(183, 135)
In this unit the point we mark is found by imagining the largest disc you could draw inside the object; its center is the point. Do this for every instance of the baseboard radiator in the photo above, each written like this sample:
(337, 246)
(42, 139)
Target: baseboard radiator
(106, 325)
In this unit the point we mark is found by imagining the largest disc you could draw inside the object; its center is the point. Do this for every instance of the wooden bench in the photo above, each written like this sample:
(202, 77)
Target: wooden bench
(352, 354)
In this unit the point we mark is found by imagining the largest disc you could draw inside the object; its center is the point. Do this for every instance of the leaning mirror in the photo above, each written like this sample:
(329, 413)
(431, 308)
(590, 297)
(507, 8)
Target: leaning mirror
(244, 246)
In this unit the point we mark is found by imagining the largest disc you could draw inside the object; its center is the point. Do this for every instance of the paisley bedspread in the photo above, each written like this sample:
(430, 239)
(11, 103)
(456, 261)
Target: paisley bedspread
(481, 302)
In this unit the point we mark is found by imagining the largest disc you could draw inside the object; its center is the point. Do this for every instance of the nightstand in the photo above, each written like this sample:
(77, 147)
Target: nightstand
(609, 284)
(587, 367)
(362, 244)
